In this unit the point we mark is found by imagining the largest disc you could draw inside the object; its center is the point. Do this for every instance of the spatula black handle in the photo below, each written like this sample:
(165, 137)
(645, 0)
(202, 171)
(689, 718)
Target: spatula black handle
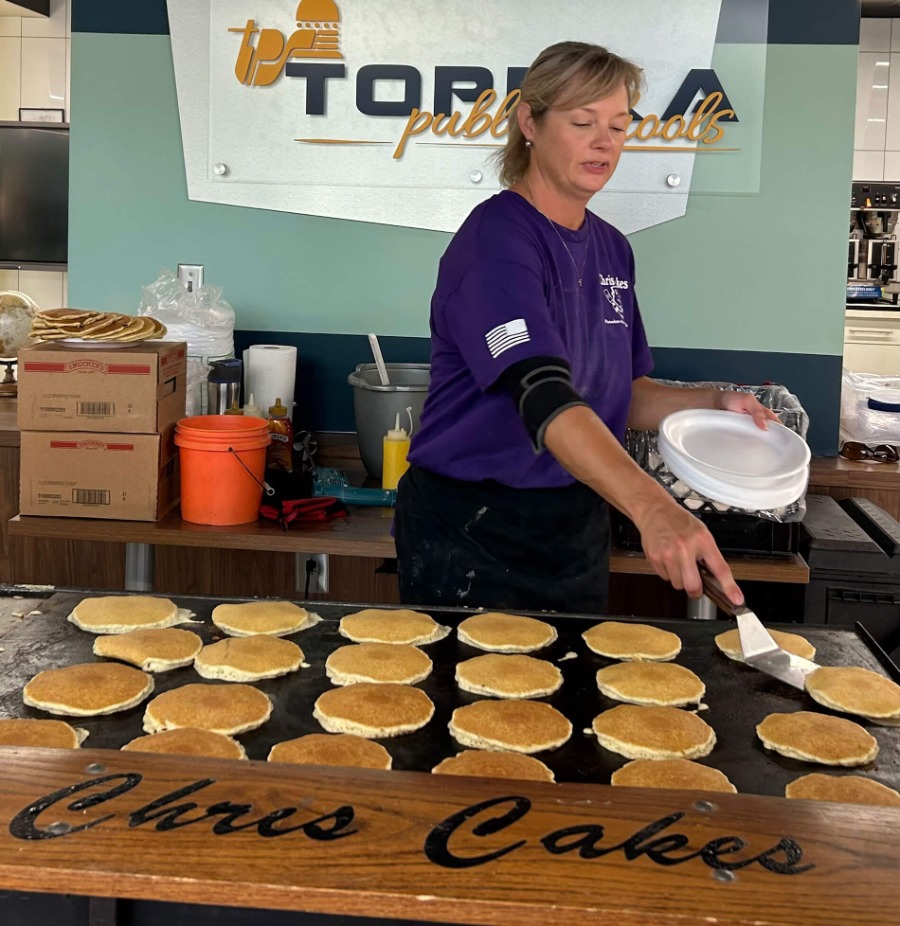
(716, 593)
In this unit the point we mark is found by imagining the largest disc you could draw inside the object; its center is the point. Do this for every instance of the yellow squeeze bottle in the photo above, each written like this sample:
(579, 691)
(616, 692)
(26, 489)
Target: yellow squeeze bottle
(395, 447)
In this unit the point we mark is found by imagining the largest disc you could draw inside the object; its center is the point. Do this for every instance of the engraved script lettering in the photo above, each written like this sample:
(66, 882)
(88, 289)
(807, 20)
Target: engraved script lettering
(167, 815)
(783, 858)
(443, 845)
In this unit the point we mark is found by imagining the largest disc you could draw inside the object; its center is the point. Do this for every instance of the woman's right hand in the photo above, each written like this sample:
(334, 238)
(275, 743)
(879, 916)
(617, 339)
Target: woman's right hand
(675, 541)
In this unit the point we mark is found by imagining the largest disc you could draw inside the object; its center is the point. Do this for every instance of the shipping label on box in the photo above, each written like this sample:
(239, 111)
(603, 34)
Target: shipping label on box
(135, 390)
(131, 477)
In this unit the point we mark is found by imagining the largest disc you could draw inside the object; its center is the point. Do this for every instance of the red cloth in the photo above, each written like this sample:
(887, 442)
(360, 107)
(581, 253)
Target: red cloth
(322, 508)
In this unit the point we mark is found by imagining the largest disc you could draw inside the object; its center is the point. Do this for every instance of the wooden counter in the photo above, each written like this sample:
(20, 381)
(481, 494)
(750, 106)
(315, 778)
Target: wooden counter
(411, 846)
(260, 558)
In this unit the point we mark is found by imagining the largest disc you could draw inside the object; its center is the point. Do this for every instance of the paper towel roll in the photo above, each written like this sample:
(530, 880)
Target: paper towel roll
(269, 371)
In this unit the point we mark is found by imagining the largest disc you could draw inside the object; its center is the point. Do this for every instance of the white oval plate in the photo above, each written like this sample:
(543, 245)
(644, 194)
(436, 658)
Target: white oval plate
(764, 498)
(729, 444)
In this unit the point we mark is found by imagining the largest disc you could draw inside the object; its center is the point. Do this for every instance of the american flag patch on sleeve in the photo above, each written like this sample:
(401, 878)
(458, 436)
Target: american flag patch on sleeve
(503, 337)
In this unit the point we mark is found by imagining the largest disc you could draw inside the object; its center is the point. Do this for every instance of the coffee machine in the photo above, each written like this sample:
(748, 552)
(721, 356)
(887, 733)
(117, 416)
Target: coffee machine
(872, 266)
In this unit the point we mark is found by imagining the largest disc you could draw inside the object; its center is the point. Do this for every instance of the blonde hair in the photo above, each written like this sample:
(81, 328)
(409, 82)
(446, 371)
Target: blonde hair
(566, 75)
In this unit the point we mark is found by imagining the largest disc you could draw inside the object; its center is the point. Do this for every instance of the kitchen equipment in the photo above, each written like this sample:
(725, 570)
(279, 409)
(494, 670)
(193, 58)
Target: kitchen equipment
(882, 259)
(760, 650)
(379, 359)
(738, 698)
(852, 258)
(223, 385)
(376, 406)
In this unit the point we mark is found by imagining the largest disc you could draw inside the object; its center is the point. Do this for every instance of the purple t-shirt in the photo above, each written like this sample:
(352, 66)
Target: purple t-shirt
(508, 290)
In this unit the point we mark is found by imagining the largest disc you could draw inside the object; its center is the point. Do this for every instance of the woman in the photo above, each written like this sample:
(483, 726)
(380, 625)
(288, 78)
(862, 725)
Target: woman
(539, 363)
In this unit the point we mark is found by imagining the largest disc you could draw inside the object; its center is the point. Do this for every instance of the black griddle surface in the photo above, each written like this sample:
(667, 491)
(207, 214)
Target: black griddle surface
(738, 697)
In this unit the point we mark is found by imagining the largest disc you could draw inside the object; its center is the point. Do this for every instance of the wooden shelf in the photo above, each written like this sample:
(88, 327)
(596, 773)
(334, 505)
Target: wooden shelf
(366, 532)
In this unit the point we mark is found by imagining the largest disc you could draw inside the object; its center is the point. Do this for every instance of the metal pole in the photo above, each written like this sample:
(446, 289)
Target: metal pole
(139, 567)
(701, 609)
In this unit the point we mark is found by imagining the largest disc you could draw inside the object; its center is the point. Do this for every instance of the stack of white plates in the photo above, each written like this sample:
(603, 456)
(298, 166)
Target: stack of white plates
(725, 457)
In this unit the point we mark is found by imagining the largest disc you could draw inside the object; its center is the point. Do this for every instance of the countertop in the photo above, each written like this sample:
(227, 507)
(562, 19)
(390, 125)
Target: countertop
(365, 533)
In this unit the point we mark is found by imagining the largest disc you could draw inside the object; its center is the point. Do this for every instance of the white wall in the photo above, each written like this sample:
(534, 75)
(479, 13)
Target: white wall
(876, 144)
(34, 74)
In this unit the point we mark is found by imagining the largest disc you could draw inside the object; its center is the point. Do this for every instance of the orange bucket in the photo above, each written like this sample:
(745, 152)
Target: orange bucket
(223, 462)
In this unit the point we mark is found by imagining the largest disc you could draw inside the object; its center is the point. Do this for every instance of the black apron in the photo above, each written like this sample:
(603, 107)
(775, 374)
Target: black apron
(485, 545)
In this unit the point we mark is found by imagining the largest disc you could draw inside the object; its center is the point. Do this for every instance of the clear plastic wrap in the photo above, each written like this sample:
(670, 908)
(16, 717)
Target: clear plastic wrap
(859, 420)
(201, 318)
(642, 447)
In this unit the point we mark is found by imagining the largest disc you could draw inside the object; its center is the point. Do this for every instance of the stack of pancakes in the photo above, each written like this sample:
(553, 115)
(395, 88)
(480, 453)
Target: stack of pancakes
(64, 324)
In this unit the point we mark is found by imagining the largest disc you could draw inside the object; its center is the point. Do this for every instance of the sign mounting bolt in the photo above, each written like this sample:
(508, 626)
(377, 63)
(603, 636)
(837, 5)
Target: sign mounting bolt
(673, 180)
(220, 169)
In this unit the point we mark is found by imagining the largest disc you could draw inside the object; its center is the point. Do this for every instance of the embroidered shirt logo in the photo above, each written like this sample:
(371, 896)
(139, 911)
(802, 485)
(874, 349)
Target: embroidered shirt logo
(611, 287)
(503, 337)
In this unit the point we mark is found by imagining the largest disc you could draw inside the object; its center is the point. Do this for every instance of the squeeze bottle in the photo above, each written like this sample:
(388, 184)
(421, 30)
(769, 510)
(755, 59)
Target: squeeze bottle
(395, 449)
(278, 453)
(252, 409)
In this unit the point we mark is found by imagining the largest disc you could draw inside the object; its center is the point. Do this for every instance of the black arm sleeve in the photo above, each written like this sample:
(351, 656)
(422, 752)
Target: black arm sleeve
(541, 387)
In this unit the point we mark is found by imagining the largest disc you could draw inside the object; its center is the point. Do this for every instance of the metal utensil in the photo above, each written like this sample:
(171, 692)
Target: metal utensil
(379, 359)
(759, 649)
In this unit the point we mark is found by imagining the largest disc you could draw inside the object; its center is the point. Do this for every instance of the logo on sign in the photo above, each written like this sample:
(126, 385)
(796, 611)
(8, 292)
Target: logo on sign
(316, 37)
(312, 51)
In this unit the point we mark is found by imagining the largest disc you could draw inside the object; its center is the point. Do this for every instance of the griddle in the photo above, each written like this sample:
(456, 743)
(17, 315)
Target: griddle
(737, 697)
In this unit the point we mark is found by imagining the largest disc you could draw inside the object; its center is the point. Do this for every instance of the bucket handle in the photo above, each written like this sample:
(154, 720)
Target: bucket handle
(263, 485)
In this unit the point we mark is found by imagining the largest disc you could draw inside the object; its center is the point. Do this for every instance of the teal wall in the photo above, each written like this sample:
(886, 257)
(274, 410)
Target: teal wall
(761, 272)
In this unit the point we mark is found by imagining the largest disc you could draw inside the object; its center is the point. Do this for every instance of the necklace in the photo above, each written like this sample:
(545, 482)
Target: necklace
(579, 274)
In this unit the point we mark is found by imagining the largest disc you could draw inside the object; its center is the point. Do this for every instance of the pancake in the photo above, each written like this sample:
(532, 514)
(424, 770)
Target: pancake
(122, 613)
(278, 618)
(654, 683)
(151, 650)
(87, 689)
(842, 789)
(730, 644)
(681, 774)
(377, 662)
(188, 741)
(519, 726)
(508, 676)
(338, 749)
(248, 659)
(383, 625)
(51, 734)
(654, 733)
(373, 710)
(480, 763)
(632, 642)
(505, 633)
(818, 738)
(227, 709)
(856, 691)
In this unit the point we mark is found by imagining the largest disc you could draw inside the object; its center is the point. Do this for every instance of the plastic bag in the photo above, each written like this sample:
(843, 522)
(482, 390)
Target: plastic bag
(859, 419)
(642, 447)
(201, 318)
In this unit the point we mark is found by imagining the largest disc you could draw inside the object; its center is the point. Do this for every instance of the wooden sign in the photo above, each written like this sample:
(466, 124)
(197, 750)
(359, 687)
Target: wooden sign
(415, 846)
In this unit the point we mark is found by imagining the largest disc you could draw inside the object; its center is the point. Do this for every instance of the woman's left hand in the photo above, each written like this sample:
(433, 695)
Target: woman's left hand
(745, 404)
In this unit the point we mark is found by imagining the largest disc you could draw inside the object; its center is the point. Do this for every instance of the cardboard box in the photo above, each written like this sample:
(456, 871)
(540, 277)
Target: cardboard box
(74, 474)
(133, 390)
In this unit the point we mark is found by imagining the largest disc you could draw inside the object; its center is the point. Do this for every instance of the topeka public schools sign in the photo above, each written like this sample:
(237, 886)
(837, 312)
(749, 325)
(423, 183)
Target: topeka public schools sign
(388, 111)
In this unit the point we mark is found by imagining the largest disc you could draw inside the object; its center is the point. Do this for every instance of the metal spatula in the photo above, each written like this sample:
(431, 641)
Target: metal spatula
(760, 650)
